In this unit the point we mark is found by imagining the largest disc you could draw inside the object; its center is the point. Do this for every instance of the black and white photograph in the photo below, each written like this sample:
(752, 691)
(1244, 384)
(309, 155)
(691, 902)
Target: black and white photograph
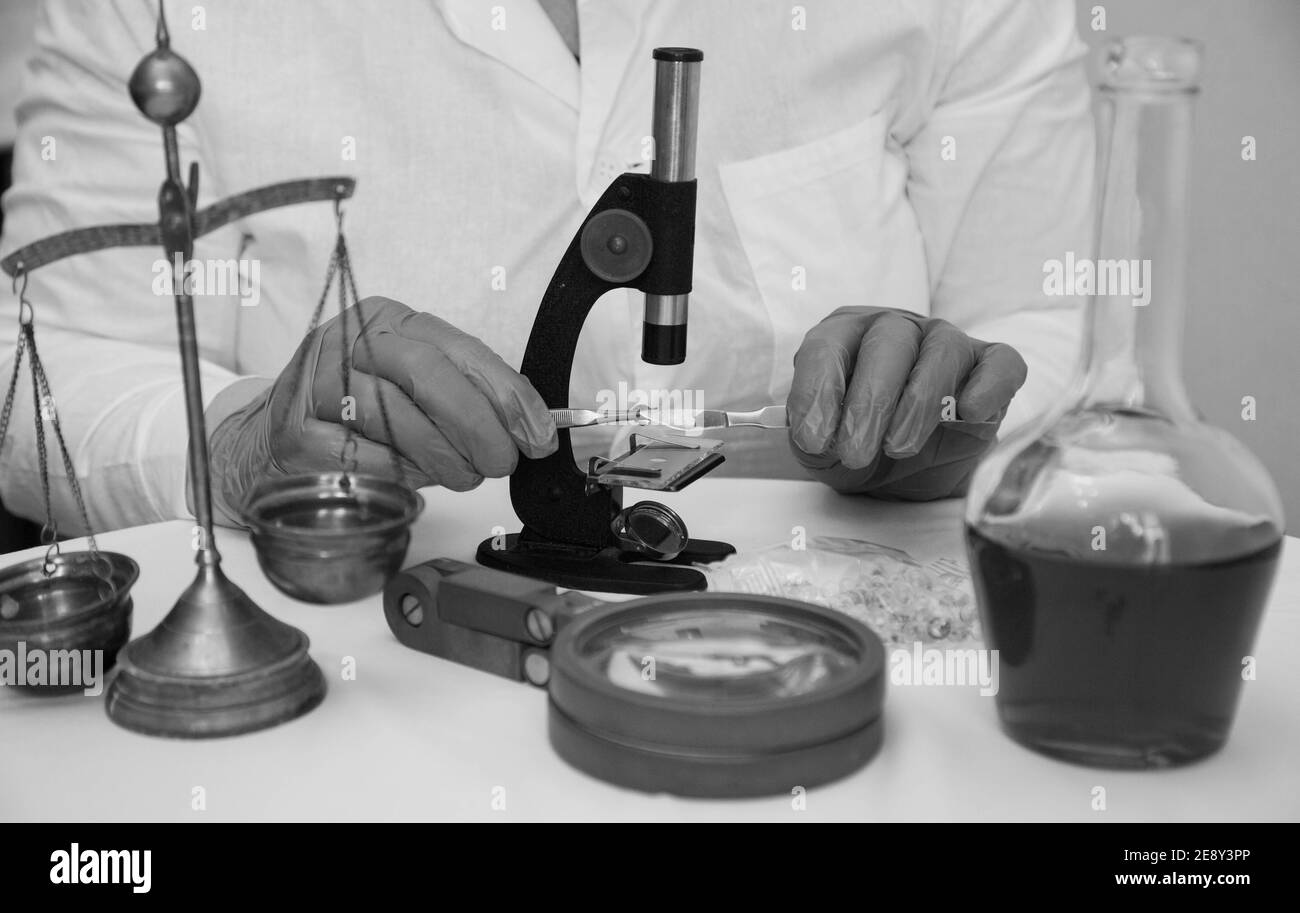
(645, 412)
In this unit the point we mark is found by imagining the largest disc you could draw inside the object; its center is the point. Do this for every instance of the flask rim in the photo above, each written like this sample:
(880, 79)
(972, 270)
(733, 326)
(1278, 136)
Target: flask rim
(1151, 63)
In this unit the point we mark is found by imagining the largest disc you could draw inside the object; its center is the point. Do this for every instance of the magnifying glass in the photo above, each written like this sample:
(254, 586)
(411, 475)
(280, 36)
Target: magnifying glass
(697, 694)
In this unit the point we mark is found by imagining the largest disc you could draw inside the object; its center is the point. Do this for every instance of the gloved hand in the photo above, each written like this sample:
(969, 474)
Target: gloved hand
(867, 409)
(458, 412)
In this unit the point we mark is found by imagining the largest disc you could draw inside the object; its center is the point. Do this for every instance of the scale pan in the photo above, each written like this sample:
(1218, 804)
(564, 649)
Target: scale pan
(332, 537)
(83, 604)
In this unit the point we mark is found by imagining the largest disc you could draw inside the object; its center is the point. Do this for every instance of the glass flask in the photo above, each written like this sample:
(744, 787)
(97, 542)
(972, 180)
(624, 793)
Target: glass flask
(1122, 550)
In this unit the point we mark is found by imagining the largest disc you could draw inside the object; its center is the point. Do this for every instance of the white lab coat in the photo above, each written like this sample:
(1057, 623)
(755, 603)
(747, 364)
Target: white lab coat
(927, 155)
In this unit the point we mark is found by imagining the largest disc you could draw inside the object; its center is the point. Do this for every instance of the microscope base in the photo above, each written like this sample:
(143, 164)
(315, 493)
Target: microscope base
(607, 570)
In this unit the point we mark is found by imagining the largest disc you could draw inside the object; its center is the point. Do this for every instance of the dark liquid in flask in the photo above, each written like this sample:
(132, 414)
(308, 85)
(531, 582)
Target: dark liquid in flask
(1118, 666)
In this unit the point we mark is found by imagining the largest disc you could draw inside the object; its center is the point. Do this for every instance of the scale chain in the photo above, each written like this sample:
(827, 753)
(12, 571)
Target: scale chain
(340, 267)
(347, 457)
(6, 413)
(39, 370)
(296, 382)
(49, 530)
(44, 407)
(347, 274)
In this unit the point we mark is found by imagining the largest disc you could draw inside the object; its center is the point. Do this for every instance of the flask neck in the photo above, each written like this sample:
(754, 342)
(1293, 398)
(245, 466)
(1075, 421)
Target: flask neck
(1132, 357)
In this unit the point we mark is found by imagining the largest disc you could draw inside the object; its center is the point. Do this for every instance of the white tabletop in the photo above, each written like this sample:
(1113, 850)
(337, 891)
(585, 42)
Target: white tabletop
(415, 737)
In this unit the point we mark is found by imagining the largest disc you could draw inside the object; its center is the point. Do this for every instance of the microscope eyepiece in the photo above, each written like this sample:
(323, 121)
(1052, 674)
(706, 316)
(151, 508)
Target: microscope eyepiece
(676, 117)
(663, 344)
(679, 55)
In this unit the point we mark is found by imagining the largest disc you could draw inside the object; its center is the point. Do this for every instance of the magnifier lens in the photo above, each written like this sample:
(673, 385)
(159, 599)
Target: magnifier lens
(716, 694)
(652, 530)
(711, 656)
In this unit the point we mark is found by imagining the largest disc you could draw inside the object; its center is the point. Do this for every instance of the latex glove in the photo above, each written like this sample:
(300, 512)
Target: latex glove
(867, 406)
(458, 412)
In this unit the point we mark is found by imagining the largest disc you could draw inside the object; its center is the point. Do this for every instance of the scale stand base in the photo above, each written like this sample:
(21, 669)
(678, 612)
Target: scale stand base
(606, 570)
(217, 665)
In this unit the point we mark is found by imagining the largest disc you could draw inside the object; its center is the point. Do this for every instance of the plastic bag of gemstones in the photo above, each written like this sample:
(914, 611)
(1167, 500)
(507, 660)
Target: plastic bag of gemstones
(896, 596)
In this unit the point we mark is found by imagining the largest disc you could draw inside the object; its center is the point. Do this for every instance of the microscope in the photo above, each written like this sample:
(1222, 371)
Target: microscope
(640, 234)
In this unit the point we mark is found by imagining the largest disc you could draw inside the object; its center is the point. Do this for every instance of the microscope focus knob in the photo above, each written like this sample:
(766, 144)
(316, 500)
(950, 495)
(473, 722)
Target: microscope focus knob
(616, 245)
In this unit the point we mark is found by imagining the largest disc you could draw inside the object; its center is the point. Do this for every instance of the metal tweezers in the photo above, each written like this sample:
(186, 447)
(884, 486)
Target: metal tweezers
(676, 419)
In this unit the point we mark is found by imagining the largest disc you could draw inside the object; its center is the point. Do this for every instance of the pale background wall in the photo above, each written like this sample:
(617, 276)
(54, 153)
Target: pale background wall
(1243, 326)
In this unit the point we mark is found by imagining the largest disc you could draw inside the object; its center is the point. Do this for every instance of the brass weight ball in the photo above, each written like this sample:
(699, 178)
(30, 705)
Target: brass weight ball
(165, 87)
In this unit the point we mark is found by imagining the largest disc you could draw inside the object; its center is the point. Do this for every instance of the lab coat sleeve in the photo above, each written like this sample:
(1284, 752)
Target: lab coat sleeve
(105, 322)
(1001, 179)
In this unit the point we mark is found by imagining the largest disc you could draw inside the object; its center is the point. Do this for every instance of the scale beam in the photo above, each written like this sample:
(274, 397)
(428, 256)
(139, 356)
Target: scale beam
(218, 215)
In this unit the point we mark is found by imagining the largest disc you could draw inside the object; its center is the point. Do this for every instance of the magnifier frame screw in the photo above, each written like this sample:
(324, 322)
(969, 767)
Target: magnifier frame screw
(539, 624)
(537, 668)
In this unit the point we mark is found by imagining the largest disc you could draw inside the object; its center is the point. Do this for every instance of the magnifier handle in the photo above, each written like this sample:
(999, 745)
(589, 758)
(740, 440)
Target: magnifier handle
(453, 594)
